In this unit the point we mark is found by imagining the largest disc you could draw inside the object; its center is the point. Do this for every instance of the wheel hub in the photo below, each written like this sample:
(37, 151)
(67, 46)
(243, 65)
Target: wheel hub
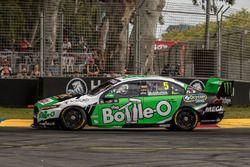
(186, 118)
(73, 117)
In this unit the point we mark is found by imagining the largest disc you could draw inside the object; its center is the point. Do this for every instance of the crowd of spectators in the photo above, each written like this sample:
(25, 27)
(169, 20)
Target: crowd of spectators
(26, 74)
(5, 69)
(87, 61)
(171, 70)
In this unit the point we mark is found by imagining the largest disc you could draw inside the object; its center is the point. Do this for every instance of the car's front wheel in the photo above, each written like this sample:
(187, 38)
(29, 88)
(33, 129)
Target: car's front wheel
(73, 118)
(185, 119)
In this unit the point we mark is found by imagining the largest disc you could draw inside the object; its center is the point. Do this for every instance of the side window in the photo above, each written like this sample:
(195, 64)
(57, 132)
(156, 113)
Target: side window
(158, 88)
(126, 90)
(176, 89)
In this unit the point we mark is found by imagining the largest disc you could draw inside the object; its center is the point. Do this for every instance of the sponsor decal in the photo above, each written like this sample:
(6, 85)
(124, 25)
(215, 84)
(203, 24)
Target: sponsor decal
(144, 90)
(219, 109)
(45, 101)
(63, 96)
(158, 93)
(226, 101)
(197, 98)
(78, 100)
(163, 108)
(228, 88)
(77, 86)
(47, 123)
(191, 91)
(43, 115)
(197, 84)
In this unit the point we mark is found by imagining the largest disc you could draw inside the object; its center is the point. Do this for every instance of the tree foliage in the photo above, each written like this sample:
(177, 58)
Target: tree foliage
(17, 20)
(239, 19)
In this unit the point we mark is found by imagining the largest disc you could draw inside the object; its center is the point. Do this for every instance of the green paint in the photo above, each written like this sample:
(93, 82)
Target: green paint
(109, 96)
(216, 85)
(213, 85)
(46, 102)
(43, 115)
(137, 110)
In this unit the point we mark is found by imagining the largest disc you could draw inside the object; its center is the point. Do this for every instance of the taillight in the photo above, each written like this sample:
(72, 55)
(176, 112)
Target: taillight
(217, 101)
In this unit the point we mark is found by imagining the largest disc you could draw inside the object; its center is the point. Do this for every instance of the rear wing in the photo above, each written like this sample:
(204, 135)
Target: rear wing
(222, 88)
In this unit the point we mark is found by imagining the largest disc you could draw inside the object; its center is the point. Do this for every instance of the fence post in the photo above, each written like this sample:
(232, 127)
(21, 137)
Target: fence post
(219, 24)
(242, 46)
(41, 44)
(137, 46)
(61, 44)
(220, 39)
(207, 36)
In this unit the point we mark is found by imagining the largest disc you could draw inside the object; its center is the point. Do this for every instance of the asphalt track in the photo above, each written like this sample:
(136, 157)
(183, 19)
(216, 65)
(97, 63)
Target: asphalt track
(24, 147)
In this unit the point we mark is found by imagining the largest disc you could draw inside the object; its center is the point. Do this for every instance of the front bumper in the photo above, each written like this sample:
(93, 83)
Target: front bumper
(49, 123)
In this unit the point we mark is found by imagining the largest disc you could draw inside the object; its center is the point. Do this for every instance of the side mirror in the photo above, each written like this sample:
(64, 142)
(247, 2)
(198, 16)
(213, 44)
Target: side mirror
(109, 96)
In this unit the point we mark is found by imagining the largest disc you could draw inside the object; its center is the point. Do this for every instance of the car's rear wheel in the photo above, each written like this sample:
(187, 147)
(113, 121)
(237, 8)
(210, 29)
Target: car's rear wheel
(185, 119)
(73, 118)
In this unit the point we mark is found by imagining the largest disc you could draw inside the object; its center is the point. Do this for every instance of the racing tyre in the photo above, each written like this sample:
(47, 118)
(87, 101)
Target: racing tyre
(73, 118)
(185, 119)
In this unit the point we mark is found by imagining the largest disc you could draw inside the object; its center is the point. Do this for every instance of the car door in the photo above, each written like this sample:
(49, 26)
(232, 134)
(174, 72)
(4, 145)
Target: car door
(117, 104)
(162, 101)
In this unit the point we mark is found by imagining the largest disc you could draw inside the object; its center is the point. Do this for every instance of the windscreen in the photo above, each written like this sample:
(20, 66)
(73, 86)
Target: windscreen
(103, 87)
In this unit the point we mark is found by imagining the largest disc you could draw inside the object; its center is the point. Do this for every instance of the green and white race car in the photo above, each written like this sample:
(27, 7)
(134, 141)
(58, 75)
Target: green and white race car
(136, 101)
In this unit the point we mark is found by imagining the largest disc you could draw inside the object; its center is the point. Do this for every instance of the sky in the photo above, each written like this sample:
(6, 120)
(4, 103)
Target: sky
(242, 4)
(238, 3)
(187, 6)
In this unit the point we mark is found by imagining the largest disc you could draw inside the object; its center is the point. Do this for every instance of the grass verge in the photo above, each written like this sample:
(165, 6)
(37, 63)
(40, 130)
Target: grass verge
(237, 112)
(16, 113)
(25, 113)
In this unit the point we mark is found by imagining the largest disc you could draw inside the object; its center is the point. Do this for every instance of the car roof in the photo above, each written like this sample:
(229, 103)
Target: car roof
(149, 77)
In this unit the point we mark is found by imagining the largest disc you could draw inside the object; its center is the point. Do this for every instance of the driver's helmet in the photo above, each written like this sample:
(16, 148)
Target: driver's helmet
(123, 89)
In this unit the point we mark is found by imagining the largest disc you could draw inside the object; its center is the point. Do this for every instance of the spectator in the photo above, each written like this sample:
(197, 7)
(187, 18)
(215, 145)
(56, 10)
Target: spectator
(23, 74)
(92, 68)
(95, 56)
(66, 45)
(166, 70)
(178, 70)
(35, 72)
(24, 45)
(5, 69)
(48, 73)
(82, 44)
(99, 60)
(14, 46)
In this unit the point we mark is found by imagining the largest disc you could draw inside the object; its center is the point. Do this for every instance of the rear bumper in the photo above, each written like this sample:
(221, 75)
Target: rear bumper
(212, 118)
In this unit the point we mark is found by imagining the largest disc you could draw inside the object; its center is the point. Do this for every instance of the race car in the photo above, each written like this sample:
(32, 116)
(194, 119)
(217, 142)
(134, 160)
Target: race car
(136, 101)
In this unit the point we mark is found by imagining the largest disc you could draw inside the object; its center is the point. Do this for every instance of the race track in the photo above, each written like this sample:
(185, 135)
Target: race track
(24, 147)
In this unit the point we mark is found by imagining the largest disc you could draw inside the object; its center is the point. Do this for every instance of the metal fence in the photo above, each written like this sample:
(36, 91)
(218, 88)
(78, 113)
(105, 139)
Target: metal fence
(235, 47)
(110, 38)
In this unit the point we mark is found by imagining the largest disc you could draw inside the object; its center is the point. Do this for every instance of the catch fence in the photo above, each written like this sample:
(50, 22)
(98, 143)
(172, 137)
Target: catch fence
(65, 38)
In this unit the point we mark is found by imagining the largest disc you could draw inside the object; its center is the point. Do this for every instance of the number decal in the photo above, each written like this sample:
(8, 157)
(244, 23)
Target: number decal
(166, 85)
